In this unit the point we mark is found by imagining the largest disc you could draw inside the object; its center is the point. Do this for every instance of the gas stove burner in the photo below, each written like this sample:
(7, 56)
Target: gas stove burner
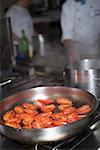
(70, 144)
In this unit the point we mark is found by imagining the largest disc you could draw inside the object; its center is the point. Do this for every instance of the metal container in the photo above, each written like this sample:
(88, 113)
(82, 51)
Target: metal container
(86, 77)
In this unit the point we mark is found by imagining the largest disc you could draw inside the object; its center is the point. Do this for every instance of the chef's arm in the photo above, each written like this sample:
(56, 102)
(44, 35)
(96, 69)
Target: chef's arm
(71, 53)
(68, 43)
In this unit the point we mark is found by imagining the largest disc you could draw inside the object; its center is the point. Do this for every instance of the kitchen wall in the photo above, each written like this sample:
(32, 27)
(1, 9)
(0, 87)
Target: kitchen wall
(0, 8)
(4, 4)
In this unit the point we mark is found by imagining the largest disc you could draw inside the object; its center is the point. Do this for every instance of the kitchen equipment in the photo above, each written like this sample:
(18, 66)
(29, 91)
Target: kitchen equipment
(30, 136)
(38, 6)
(86, 76)
(5, 82)
(5, 54)
(3, 88)
(5, 46)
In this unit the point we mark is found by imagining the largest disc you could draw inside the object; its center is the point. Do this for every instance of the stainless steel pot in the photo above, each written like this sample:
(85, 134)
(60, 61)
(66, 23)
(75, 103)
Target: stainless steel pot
(86, 76)
(54, 133)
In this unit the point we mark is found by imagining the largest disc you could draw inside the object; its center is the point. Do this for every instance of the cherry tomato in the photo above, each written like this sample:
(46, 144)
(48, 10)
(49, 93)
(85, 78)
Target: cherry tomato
(13, 124)
(47, 108)
(45, 101)
(69, 110)
(19, 109)
(65, 101)
(8, 115)
(72, 117)
(29, 106)
(84, 109)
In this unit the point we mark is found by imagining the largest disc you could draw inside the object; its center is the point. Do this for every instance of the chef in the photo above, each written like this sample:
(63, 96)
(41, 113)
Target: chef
(80, 23)
(20, 20)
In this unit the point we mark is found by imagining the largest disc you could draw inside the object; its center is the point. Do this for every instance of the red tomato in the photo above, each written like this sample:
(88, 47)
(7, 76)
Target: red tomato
(65, 101)
(84, 109)
(69, 110)
(72, 117)
(46, 101)
(47, 108)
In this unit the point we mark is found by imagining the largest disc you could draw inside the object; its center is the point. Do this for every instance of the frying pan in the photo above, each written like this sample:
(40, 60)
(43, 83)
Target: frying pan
(58, 133)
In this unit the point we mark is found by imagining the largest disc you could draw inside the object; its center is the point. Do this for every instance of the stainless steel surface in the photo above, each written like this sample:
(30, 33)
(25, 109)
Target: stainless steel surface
(87, 76)
(90, 64)
(49, 134)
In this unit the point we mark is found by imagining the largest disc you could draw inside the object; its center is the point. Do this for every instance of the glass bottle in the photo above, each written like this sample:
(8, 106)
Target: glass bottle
(23, 45)
(30, 52)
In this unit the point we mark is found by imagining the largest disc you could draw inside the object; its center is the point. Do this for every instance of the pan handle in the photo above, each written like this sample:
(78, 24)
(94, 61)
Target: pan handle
(5, 82)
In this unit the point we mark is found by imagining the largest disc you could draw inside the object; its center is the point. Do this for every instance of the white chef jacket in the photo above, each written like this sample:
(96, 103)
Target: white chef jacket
(21, 20)
(81, 23)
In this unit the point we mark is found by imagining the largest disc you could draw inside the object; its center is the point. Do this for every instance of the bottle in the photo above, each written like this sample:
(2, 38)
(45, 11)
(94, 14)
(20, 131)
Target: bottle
(30, 52)
(23, 45)
(41, 43)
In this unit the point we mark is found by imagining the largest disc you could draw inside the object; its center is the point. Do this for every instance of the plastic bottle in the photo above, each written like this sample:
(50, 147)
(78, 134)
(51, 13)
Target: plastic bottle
(23, 45)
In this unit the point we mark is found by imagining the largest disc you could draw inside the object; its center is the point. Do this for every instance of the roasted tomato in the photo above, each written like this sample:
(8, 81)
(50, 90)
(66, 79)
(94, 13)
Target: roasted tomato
(27, 118)
(63, 107)
(84, 109)
(36, 125)
(42, 114)
(19, 109)
(9, 115)
(69, 110)
(45, 101)
(43, 120)
(30, 111)
(47, 114)
(15, 119)
(59, 119)
(72, 117)
(28, 126)
(59, 122)
(47, 108)
(29, 106)
(64, 101)
(42, 103)
(13, 124)
(56, 116)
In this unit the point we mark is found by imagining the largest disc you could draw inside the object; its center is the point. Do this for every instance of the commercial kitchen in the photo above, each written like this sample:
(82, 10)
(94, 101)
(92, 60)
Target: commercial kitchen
(47, 74)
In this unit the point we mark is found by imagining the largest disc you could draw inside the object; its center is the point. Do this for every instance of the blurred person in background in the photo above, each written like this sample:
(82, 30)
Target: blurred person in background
(80, 24)
(20, 20)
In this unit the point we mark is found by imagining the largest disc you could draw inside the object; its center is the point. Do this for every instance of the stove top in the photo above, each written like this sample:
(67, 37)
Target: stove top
(90, 139)
(23, 83)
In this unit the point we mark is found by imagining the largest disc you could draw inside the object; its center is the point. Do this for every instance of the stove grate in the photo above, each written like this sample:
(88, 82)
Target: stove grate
(70, 144)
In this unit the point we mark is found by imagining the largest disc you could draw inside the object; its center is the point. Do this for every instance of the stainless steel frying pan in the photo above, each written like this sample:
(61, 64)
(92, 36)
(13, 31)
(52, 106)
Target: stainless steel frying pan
(54, 133)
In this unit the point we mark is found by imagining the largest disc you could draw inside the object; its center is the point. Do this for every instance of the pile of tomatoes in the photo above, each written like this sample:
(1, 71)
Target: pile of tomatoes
(45, 114)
